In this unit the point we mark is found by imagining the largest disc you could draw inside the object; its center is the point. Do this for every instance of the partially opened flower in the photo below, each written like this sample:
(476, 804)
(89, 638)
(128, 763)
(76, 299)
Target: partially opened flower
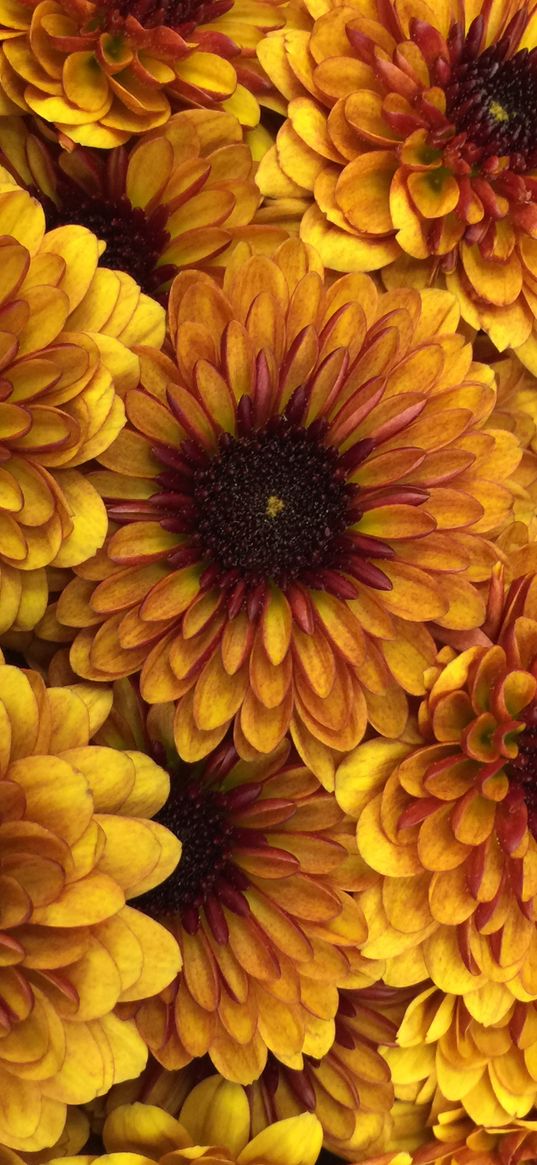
(516, 411)
(66, 332)
(101, 70)
(75, 843)
(180, 195)
(261, 912)
(450, 822)
(214, 1125)
(411, 129)
(480, 1052)
(303, 486)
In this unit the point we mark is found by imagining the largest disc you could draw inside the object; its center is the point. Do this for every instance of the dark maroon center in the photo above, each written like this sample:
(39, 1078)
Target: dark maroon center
(270, 505)
(179, 15)
(134, 242)
(494, 101)
(197, 816)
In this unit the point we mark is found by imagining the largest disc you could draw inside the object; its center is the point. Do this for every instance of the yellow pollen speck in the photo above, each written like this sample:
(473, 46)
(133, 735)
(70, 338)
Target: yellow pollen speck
(275, 506)
(498, 112)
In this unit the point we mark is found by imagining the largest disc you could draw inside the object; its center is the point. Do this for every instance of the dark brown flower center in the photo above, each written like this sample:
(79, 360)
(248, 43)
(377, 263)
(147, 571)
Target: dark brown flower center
(197, 816)
(134, 242)
(494, 101)
(271, 504)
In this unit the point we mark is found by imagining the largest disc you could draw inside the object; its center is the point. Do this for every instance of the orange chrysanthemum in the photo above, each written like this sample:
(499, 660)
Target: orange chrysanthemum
(304, 485)
(459, 1142)
(450, 821)
(479, 1052)
(75, 843)
(66, 330)
(261, 914)
(411, 127)
(516, 411)
(181, 196)
(101, 70)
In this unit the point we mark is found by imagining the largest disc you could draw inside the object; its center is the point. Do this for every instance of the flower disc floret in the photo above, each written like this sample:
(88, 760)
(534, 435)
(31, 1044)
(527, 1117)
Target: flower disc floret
(75, 843)
(298, 492)
(410, 134)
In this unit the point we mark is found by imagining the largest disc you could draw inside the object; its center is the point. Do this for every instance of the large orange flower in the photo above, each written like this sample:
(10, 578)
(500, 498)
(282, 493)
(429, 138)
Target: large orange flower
(450, 821)
(411, 131)
(101, 70)
(181, 195)
(75, 843)
(66, 332)
(302, 487)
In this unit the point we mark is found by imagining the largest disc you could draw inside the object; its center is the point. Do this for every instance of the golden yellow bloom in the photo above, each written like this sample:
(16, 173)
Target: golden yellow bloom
(101, 70)
(297, 492)
(459, 1142)
(516, 411)
(410, 130)
(66, 330)
(181, 195)
(75, 843)
(214, 1126)
(450, 821)
(480, 1052)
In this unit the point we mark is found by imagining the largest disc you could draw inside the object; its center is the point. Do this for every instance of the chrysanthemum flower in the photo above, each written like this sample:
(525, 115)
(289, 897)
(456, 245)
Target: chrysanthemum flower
(179, 197)
(411, 129)
(214, 1126)
(75, 843)
(101, 70)
(66, 330)
(480, 1052)
(260, 910)
(298, 491)
(450, 822)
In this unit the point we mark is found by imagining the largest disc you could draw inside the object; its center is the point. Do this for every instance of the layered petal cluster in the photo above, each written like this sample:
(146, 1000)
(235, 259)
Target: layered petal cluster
(66, 332)
(214, 1126)
(462, 1143)
(75, 843)
(410, 130)
(298, 490)
(450, 821)
(349, 1089)
(179, 196)
(261, 909)
(516, 411)
(479, 1052)
(101, 70)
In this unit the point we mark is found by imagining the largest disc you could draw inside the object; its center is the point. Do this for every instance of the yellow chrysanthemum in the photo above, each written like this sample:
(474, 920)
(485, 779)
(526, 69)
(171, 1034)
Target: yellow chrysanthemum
(479, 1052)
(180, 195)
(66, 330)
(410, 131)
(101, 70)
(214, 1126)
(75, 843)
(450, 821)
(303, 486)
(516, 411)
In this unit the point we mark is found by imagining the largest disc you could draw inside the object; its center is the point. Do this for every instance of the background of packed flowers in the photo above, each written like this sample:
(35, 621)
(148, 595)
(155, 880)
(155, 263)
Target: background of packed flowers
(268, 582)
